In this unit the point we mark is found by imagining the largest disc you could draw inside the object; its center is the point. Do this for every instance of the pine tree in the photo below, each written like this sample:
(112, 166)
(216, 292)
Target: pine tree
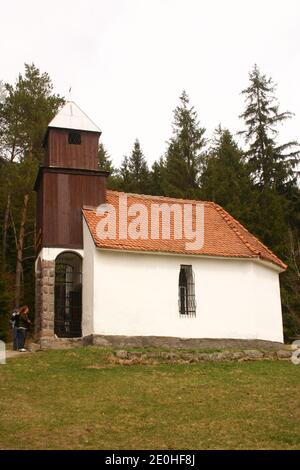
(225, 178)
(184, 155)
(272, 165)
(28, 107)
(25, 112)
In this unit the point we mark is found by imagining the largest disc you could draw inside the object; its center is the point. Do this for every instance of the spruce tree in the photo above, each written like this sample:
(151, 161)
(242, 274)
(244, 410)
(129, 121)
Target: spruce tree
(272, 165)
(124, 175)
(104, 160)
(290, 279)
(134, 171)
(105, 164)
(184, 155)
(157, 178)
(225, 178)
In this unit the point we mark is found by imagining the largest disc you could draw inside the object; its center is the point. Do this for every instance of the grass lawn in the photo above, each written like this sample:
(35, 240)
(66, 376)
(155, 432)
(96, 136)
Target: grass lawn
(76, 399)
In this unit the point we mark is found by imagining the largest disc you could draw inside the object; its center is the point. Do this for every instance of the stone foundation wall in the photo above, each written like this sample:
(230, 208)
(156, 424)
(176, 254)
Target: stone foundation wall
(44, 321)
(38, 299)
(50, 341)
(178, 343)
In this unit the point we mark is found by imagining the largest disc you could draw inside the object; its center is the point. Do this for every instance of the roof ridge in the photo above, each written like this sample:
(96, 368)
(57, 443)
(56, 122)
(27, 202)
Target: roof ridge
(152, 196)
(71, 116)
(229, 219)
(83, 112)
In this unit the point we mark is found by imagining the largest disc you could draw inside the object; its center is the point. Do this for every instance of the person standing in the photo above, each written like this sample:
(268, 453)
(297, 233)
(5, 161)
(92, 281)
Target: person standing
(22, 324)
(14, 329)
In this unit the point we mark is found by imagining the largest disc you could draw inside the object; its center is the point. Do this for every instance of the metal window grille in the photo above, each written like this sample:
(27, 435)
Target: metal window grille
(186, 295)
(68, 300)
(74, 138)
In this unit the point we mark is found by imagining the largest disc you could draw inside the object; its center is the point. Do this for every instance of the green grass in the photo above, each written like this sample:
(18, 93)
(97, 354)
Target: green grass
(56, 400)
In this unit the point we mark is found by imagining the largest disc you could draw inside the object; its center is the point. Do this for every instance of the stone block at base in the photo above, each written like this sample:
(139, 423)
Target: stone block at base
(115, 341)
(60, 343)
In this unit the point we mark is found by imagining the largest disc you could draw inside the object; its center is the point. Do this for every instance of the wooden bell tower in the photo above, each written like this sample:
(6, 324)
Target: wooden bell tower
(68, 179)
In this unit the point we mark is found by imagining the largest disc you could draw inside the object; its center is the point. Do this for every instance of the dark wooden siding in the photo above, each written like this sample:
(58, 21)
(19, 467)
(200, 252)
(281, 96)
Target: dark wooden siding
(64, 195)
(60, 153)
(39, 217)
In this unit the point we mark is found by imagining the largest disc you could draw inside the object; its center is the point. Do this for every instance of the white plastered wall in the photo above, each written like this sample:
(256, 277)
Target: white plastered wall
(50, 254)
(137, 294)
(88, 283)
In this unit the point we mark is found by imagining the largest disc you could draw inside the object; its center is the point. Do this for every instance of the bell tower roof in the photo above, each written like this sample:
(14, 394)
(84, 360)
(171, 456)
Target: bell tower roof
(70, 116)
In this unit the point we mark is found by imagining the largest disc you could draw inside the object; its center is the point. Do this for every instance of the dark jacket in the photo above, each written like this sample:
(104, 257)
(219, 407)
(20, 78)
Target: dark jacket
(21, 321)
(13, 318)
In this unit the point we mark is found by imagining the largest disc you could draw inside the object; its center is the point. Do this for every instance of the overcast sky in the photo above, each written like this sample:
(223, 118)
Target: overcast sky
(128, 60)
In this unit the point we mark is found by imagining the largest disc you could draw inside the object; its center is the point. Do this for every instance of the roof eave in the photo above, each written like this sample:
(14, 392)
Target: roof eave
(45, 140)
(256, 259)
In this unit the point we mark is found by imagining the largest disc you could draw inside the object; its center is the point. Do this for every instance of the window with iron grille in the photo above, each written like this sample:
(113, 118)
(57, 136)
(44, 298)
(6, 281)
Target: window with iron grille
(74, 138)
(186, 293)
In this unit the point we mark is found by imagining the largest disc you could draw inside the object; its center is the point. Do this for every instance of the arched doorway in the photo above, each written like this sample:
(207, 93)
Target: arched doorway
(68, 295)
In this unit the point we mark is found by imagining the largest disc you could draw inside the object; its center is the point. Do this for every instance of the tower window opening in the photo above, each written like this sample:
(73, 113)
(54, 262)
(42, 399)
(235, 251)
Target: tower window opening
(74, 138)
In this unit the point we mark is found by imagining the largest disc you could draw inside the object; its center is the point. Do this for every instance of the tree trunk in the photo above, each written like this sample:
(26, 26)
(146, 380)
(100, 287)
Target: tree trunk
(5, 230)
(7, 208)
(20, 248)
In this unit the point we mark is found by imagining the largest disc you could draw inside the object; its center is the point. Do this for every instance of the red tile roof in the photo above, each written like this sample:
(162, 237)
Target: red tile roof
(223, 235)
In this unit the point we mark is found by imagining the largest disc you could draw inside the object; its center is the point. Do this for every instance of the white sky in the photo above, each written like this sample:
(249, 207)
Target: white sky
(128, 60)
